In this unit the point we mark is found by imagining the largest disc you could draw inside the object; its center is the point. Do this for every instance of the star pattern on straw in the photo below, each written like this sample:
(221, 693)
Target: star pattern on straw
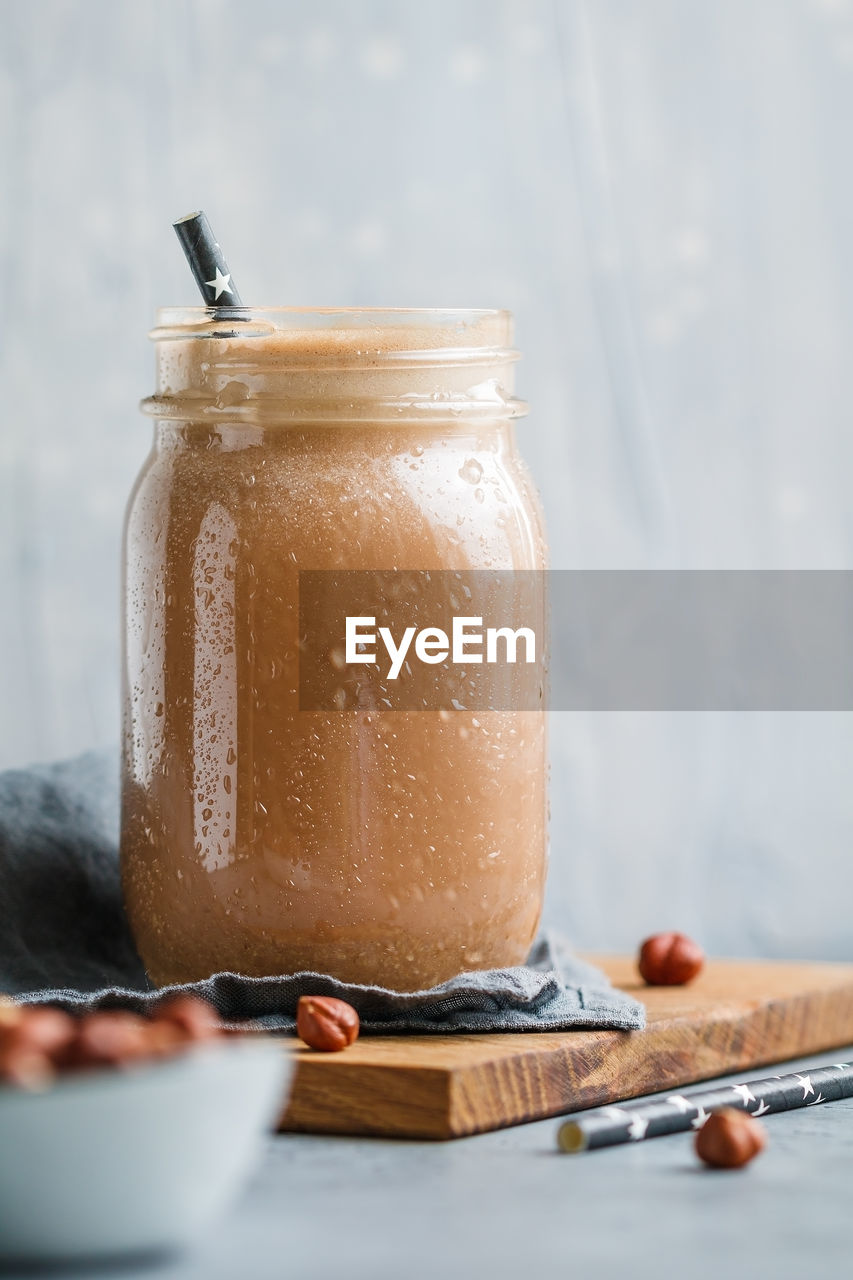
(637, 1128)
(761, 1109)
(221, 284)
(699, 1120)
(681, 1104)
(744, 1092)
(815, 1101)
(806, 1086)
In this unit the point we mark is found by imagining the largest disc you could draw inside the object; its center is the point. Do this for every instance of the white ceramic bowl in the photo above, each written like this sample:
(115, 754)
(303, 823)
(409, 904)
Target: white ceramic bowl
(139, 1160)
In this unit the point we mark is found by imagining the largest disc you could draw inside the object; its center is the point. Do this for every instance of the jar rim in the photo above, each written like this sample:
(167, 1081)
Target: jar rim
(399, 361)
(432, 329)
(209, 313)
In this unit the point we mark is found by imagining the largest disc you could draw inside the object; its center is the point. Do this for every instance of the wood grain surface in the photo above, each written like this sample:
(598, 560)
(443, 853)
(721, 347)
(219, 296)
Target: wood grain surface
(737, 1015)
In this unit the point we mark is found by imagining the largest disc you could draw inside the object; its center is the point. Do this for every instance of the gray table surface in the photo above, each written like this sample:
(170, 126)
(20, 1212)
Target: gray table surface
(509, 1204)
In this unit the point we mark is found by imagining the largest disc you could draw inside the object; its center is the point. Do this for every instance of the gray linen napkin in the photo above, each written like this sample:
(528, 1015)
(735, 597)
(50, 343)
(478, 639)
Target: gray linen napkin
(64, 936)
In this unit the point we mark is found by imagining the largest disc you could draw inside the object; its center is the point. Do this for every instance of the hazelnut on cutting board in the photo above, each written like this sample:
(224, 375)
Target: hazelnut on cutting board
(326, 1023)
(670, 960)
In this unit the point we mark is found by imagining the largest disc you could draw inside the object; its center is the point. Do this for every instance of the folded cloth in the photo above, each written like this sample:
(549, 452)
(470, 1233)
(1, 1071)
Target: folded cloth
(64, 937)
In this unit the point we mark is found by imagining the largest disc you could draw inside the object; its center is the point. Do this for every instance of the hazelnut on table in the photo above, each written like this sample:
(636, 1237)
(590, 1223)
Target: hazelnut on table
(729, 1139)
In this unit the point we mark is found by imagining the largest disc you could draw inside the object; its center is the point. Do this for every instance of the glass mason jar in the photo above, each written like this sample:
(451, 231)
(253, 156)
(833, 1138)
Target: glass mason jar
(383, 847)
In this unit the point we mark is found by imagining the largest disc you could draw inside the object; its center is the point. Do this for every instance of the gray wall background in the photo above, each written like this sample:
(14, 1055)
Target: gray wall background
(661, 190)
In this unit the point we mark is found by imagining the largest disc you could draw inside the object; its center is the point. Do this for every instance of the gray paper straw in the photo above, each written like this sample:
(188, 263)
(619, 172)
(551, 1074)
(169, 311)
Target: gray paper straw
(207, 262)
(638, 1120)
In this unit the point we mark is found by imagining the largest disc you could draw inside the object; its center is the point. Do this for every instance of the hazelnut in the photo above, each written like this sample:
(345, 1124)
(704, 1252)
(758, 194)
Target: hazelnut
(191, 1017)
(670, 960)
(11, 1014)
(164, 1039)
(40, 1028)
(326, 1023)
(38, 1040)
(32, 1040)
(111, 1038)
(729, 1139)
(26, 1067)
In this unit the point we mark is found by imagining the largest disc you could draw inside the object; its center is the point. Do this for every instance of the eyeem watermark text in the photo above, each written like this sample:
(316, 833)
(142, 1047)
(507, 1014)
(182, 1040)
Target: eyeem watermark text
(679, 640)
(468, 642)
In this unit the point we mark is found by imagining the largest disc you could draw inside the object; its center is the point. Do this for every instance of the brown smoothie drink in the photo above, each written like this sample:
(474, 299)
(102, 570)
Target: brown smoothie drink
(387, 847)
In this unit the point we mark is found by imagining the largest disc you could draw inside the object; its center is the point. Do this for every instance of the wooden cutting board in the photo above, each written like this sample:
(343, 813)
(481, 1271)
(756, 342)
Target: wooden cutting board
(736, 1016)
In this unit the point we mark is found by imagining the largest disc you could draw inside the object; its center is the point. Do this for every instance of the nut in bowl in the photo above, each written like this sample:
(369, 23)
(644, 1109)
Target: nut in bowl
(105, 1162)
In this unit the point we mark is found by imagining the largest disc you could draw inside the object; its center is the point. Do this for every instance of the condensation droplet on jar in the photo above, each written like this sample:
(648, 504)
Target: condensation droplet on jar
(471, 471)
